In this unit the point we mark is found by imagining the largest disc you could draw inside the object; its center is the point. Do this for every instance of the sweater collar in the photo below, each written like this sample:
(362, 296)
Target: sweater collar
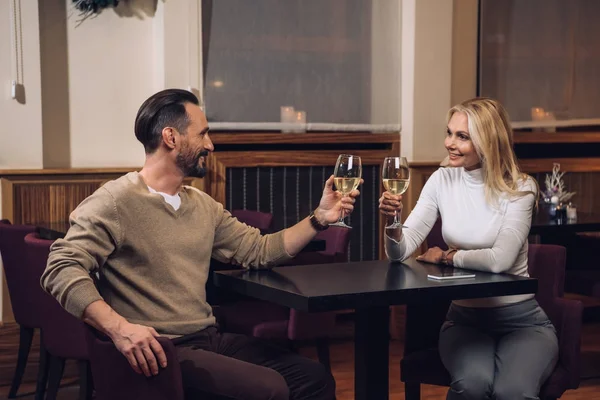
(474, 177)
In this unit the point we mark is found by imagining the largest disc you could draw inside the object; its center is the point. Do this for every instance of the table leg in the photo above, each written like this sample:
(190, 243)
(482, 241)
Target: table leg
(371, 353)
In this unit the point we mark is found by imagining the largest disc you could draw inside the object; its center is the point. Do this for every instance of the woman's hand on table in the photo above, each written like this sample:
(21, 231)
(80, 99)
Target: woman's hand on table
(433, 255)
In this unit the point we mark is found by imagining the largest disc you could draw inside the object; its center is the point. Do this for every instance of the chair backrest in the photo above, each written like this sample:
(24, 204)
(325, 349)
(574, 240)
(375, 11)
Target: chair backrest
(336, 248)
(547, 264)
(63, 334)
(336, 241)
(435, 238)
(22, 279)
(114, 379)
(257, 219)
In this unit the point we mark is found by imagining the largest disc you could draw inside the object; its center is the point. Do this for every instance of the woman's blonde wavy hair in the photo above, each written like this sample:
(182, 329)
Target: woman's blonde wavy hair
(492, 137)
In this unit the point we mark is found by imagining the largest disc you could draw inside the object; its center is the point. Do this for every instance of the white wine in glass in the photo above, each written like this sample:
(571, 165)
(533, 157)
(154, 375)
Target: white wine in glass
(396, 178)
(346, 178)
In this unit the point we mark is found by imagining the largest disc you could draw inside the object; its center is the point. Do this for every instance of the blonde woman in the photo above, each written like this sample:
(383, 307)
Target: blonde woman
(501, 347)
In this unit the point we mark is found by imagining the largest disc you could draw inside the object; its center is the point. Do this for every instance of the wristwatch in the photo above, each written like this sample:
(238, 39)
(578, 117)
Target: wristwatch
(315, 223)
(445, 255)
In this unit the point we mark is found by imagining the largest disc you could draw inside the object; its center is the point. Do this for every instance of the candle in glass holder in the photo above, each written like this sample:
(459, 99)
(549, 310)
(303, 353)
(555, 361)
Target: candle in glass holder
(571, 212)
(549, 116)
(300, 120)
(287, 116)
(537, 114)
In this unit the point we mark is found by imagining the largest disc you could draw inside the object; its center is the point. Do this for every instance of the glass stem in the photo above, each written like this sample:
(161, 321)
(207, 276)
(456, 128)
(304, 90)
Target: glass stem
(341, 220)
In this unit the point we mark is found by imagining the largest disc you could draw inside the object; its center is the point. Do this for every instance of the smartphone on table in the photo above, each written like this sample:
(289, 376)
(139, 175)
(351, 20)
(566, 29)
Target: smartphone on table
(450, 273)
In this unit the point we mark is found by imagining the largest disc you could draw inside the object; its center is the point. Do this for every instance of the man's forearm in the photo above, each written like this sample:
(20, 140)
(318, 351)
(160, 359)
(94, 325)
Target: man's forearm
(102, 317)
(296, 237)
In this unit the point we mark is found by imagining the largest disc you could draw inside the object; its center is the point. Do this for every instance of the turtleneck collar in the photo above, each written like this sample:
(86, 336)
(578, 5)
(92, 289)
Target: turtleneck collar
(474, 176)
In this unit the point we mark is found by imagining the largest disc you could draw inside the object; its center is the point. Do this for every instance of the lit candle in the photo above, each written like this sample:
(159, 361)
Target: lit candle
(287, 116)
(537, 114)
(300, 119)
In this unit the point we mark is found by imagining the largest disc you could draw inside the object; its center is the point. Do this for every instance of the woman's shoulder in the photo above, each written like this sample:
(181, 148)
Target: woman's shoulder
(527, 184)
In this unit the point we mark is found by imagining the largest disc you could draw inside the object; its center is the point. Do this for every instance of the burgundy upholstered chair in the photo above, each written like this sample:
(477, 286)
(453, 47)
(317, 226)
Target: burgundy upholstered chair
(63, 335)
(114, 379)
(257, 219)
(26, 295)
(422, 364)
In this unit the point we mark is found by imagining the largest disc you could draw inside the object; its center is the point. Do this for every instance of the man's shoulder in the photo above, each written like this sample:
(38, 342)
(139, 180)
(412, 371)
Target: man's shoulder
(197, 193)
(109, 194)
(203, 201)
(122, 186)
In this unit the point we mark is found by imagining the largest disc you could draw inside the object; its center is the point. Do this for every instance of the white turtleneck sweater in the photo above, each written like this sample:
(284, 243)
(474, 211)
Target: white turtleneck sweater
(489, 238)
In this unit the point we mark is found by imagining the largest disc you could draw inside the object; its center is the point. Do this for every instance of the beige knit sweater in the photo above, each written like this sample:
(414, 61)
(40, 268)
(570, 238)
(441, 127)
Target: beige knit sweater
(153, 261)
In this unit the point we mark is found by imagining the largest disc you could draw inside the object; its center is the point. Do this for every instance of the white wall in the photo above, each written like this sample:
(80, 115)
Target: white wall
(464, 50)
(111, 72)
(426, 77)
(439, 50)
(20, 124)
(115, 61)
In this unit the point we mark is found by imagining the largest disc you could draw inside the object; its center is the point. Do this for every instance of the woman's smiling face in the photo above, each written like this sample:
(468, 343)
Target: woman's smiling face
(461, 152)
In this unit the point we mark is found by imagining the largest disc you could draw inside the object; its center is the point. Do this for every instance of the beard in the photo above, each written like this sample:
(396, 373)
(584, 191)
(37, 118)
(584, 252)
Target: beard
(189, 164)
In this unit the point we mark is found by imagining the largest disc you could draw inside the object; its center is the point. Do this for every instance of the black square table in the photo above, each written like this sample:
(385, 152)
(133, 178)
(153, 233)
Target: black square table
(369, 288)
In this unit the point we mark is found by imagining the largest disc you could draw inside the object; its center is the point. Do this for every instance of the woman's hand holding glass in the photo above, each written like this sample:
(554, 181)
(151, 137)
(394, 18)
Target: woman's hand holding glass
(390, 205)
(395, 174)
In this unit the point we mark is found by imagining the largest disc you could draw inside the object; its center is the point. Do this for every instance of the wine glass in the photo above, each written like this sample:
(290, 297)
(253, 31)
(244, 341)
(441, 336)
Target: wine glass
(396, 177)
(346, 177)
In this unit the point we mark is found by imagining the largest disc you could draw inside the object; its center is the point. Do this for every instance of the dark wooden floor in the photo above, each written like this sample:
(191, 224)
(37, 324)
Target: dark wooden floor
(342, 355)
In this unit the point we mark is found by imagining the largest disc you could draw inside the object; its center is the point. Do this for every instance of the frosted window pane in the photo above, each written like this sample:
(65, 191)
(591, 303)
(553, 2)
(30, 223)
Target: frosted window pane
(542, 53)
(314, 55)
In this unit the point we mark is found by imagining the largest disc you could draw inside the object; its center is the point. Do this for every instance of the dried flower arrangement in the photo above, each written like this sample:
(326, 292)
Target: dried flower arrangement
(555, 187)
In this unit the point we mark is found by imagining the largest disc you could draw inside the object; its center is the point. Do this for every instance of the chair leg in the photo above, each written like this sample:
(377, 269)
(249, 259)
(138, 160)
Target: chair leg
(86, 385)
(412, 391)
(323, 352)
(57, 367)
(25, 339)
(42, 378)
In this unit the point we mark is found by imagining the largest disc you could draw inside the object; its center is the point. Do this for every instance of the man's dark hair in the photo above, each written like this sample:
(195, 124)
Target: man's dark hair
(163, 109)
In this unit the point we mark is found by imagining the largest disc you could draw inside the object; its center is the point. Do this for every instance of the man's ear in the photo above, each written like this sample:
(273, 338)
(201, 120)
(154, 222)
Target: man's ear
(168, 136)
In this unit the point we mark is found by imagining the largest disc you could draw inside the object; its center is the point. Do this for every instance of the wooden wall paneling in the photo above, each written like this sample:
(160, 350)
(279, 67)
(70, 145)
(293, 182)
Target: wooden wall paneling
(49, 201)
(566, 164)
(219, 138)
(7, 212)
(219, 162)
(7, 196)
(585, 184)
(30, 196)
